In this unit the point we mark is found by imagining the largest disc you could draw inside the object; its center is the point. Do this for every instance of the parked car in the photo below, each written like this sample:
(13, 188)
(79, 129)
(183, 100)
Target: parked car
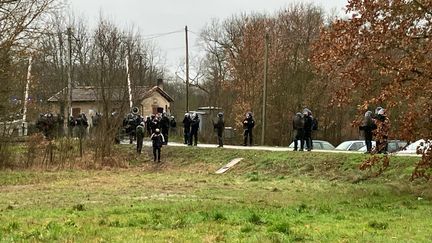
(412, 148)
(317, 144)
(353, 145)
(393, 146)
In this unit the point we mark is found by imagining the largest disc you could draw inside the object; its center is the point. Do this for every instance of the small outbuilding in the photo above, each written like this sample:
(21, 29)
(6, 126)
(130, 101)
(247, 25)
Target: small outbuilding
(90, 99)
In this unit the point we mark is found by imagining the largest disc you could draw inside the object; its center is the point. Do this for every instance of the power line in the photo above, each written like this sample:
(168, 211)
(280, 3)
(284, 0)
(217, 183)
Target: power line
(140, 37)
(174, 48)
(155, 36)
(162, 34)
(195, 46)
(198, 35)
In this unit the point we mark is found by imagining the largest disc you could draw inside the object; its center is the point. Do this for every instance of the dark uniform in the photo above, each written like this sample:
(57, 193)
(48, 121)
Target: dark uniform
(81, 124)
(367, 126)
(155, 124)
(308, 124)
(186, 128)
(219, 126)
(248, 125)
(140, 131)
(96, 122)
(383, 127)
(165, 125)
(193, 138)
(46, 124)
(130, 123)
(298, 128)
(157, 141)
(173, 125)
(148, 126)
(71, 124)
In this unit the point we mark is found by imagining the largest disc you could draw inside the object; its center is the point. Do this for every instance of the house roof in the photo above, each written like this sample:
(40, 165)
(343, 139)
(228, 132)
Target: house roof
(91, 93)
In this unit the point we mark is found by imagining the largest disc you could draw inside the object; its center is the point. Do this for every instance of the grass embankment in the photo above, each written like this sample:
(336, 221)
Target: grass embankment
(268, 197)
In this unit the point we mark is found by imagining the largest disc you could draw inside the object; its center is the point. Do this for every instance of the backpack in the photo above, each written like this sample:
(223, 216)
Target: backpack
(140, 130)
(298, 122)
(314, 124)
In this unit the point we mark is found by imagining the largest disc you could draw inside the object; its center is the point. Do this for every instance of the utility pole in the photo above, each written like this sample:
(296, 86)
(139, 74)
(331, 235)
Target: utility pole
(26, 95)
(187, 69)
(264, 108)
(62, 79)
(140, 70)
(69, 95)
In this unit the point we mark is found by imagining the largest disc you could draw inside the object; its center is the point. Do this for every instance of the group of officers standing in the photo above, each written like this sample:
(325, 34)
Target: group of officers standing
(157, 127)
(191, 123)
(303, 125)
(51, 125)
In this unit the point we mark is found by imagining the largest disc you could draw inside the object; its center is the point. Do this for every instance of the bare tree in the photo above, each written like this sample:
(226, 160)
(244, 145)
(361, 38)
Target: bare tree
(21, 23)
(234, 65)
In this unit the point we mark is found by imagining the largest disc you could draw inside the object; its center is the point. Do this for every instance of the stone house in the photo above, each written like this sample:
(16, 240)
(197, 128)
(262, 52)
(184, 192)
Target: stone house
(88, 100)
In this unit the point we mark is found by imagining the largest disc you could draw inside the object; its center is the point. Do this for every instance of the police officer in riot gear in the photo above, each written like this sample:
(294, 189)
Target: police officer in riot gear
(96, 121)
(140, 131)
(155, 123)
(219, 126)
(382, 132)
(45, 125)
(193, 138)
(148, 125)
(173, 125)
(186, 127)
(165, 125)
(82, 124)
(130, 123)
(71, 124)
(248, 125)
(308, 125)
(367, 126)
(298, 128)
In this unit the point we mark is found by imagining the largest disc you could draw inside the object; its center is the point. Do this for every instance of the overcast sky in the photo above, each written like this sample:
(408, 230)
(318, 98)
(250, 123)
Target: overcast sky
(161, 16)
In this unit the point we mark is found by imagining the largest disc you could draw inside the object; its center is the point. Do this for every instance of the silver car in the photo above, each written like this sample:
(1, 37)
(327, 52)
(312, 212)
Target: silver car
(392, 146)
(353, 145)
(317, 144)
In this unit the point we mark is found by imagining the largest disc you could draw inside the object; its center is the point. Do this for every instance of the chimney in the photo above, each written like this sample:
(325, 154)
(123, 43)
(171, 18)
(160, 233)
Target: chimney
(160, 83)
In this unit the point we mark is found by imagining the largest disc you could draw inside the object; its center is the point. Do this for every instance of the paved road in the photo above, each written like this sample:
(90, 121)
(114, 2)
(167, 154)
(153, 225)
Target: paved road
(262, 148)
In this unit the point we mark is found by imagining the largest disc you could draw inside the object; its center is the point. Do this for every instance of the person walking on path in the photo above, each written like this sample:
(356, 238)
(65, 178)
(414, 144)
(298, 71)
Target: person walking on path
(140, 132)
(157, 142)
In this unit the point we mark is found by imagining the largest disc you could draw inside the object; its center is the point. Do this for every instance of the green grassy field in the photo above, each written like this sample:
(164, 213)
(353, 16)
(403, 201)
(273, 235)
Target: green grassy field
(268, 197)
